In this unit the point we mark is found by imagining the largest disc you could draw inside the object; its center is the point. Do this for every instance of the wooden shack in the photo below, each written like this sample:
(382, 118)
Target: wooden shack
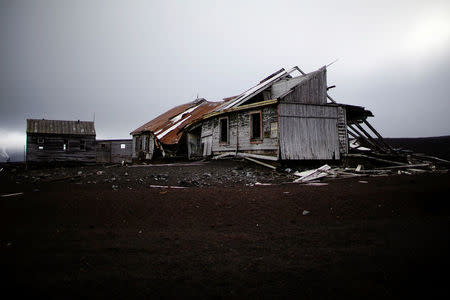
(60, 141)
(114, 151)
(283, 117)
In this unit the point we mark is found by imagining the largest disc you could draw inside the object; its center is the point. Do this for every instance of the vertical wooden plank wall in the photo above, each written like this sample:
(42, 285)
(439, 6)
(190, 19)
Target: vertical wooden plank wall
(308, 132)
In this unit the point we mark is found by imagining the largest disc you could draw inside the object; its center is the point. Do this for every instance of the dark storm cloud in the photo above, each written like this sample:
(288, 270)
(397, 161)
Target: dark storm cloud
(128, 61)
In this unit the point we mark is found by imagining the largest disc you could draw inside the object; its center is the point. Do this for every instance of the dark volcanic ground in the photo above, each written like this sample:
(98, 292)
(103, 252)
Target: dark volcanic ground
(69, 237)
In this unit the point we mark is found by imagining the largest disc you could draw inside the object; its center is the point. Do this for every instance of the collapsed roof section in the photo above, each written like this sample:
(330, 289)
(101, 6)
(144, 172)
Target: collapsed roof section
(166, 127)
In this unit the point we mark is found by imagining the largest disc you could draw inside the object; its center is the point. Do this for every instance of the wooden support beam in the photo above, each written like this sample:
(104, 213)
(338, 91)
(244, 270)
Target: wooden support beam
(381, 146)
(377, 134)
(352, 134)
(374, 158)
(361, 136)
(405, 166)
(332, 100)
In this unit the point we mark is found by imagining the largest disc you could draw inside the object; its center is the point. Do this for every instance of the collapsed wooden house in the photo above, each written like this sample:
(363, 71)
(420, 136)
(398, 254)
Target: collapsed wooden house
(162, 136)
(286, 116)
(60, 141)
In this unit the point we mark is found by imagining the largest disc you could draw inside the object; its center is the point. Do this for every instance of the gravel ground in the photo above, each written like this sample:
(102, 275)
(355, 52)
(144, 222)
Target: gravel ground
(75, 233)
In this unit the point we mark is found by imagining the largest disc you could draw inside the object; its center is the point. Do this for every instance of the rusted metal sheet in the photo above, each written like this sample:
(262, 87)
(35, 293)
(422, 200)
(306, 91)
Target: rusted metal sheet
(166, 127)
(60, 127)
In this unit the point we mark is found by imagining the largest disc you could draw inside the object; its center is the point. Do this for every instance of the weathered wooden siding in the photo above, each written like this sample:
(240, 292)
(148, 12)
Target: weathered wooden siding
(143, 146)
(53, 148)
(308, 132)
(194, 145)
(110, 151)
(342, 130)
(206, 137)
(313, 90)
(103, 152)
(239, 133)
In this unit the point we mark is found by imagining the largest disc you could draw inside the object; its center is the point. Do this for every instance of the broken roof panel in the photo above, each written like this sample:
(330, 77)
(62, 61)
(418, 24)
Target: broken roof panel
(254, 90)
(166, 127)
(60, 127)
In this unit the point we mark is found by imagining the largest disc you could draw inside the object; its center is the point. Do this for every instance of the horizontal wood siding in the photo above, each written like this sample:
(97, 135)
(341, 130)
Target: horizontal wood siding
(53, 148)
(239, 133)
(308, 132)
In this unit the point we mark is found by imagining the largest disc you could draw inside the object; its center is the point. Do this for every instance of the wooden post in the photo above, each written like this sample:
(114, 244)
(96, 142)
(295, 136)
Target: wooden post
(360, 135)
(378, 135)
(370, 137)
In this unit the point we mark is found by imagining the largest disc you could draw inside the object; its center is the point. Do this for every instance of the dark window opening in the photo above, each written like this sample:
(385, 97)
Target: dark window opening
(224, 130)
(82, 145)
(40, 140)
(103, 146)
(255, 121)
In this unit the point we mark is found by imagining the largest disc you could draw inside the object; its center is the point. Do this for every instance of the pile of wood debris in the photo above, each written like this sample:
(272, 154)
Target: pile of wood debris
(415, 164)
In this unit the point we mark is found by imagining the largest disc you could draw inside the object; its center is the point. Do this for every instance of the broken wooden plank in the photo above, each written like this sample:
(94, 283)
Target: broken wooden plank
(257, 156)
(260, 163)
(431, 157)
(374, 158)
(223, 155)
(314, 174)
(404, 166)
(12, 195)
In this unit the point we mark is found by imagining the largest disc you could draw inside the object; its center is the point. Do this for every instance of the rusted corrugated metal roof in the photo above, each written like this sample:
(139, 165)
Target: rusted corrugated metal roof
(166, 126)
(60, 127)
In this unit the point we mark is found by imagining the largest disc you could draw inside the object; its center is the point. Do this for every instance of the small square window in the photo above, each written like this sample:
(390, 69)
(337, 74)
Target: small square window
(122, 146)
(41, 147)
(40, 140)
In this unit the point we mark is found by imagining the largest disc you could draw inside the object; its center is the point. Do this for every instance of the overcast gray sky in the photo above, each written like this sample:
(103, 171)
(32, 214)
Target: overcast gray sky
(129, 61)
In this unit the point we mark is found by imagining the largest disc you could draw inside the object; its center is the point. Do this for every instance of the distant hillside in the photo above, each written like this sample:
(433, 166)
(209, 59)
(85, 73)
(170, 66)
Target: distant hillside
(436, 146)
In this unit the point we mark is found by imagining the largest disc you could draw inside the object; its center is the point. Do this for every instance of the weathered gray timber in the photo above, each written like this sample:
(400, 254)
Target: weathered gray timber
(239, 137)
(308, 132)
(143, 146)
(309, 89)
(113, 151)
(194, 145)
(60, 141)
(342, 130)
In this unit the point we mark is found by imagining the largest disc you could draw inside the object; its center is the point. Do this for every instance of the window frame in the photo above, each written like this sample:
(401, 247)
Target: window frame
(83, 142)
(250, 119)
(228, 131)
